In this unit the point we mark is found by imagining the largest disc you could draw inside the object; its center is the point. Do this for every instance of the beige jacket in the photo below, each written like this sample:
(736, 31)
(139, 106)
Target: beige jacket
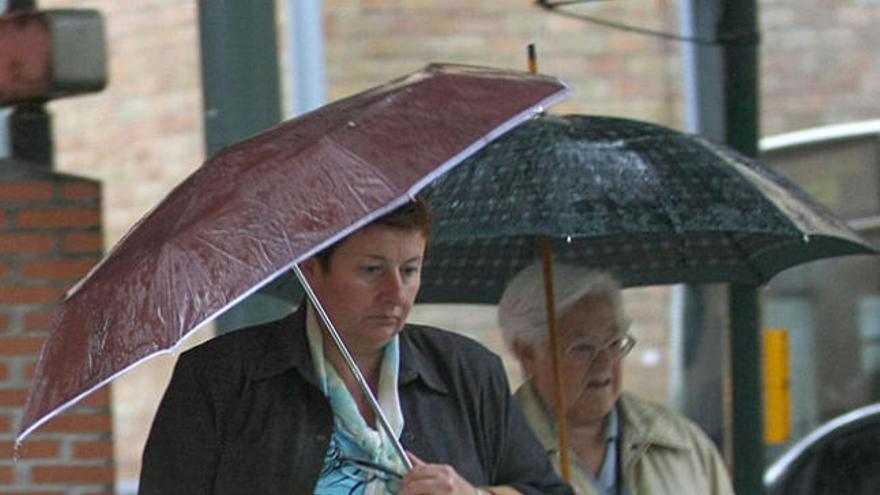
(662, 453)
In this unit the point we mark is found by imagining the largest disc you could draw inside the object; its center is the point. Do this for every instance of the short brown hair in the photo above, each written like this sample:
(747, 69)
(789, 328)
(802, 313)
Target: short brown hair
(412, 215)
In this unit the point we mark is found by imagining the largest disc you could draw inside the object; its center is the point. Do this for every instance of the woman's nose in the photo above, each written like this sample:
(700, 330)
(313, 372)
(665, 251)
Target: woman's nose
(603, 358)
(393, 287)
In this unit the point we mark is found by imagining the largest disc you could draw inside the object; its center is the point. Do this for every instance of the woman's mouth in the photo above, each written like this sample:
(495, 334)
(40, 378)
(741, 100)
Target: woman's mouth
(385, 319)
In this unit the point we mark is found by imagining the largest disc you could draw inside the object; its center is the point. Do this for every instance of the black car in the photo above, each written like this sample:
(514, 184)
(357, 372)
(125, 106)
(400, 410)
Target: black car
(841, 457)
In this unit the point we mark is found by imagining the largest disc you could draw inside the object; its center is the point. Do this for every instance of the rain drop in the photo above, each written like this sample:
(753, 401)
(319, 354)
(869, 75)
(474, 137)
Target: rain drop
(568, 239)
(351, 124)
(806, 238)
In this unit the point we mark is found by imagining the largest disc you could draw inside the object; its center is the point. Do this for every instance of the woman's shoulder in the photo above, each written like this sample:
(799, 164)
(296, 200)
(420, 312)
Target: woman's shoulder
(238, 346)
(450, 353)
(428, 337)
(661, 423)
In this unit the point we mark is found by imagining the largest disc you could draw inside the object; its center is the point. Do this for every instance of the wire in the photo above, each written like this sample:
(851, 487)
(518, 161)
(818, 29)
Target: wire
(560, 3)
(750, 38)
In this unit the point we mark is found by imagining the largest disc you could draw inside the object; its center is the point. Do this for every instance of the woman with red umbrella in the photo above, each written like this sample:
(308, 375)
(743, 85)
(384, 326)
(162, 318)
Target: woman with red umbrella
(274, 409)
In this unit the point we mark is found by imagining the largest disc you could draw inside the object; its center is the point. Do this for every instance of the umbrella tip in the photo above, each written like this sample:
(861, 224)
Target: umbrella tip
(16, 450)
(533, 59)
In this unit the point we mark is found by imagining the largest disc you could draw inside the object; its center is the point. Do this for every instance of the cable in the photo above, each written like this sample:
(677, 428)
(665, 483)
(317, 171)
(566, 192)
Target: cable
(722, 39)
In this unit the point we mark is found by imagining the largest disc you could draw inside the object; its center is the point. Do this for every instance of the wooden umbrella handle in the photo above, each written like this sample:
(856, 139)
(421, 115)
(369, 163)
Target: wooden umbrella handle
(559, 396)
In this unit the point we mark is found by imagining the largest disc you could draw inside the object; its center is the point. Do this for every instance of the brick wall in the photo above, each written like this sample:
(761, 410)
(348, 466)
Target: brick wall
(50, 236)
(819, 64)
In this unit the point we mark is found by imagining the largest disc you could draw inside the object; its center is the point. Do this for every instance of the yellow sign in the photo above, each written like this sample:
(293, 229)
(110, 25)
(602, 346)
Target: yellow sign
(777, 388)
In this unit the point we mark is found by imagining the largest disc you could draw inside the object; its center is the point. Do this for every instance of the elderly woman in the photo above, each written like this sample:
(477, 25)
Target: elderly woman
(619, 444)
(274, 410)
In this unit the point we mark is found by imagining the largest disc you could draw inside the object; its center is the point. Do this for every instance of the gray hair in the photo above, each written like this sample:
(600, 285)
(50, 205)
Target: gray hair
(522, 312)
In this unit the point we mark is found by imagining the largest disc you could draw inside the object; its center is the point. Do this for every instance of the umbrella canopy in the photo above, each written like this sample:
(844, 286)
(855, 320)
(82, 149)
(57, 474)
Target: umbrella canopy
(648, 203)
(263, 205)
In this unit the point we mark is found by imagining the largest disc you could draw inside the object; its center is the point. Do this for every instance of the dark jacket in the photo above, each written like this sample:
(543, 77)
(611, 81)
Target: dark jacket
(243, 415)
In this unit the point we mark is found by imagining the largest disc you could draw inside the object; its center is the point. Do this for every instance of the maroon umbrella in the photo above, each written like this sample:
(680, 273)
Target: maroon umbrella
(259, 207)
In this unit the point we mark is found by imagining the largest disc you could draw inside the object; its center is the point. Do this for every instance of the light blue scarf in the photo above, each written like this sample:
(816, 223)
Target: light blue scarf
(353, 438)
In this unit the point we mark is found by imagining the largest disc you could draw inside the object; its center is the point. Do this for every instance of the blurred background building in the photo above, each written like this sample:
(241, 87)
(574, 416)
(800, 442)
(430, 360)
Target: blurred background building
(819, 92)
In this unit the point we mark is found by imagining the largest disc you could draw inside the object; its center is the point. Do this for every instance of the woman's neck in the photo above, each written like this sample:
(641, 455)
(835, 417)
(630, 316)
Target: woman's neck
(588, 442)
(369, 366)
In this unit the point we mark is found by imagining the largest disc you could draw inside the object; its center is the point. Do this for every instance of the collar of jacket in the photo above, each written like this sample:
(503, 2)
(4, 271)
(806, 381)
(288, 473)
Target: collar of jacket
(645, 424)
(642, 424)
(287, 347)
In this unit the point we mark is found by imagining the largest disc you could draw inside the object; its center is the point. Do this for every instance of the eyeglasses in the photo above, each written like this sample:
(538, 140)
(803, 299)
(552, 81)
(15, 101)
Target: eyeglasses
(587, 350)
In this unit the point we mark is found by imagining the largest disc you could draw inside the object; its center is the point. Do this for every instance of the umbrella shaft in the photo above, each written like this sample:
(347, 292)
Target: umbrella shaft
(352, 366)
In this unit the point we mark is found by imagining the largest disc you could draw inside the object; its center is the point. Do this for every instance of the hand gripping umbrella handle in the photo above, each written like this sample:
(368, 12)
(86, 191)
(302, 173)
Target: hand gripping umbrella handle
(352, 366)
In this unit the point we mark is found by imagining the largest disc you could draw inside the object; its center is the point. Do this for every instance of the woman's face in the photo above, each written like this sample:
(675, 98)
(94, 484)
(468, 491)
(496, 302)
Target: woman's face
(370, 285)
(591, 387)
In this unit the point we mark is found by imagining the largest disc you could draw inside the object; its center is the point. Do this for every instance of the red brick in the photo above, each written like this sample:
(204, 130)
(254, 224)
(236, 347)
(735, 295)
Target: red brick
(72, 474)
(5, 423)
(13, 397)
(94, 449)
(82, 242)
(59, 217)
(33, 492)
(78, 423)
(81, 191)
(38, 320)
(26, 243)
(31, 449)
(11, 192)
(4, 373)
(56, 269)
(2, 218)
(20, 346)
(41, 294)
(7, 475)
(4, 322)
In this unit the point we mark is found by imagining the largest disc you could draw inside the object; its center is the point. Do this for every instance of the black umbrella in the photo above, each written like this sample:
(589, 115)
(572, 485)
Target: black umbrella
(648, 203)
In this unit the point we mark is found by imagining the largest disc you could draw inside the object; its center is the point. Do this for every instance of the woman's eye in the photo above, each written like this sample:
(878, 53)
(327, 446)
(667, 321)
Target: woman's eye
(370, 269)
(581, 349)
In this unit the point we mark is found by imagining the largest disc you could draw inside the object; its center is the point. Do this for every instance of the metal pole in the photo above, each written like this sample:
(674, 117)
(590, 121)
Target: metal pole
(748, 398)
(240, 76)
(739, 36)
(306, 51)
(698, 374)
(723, 103)
(242, 97)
